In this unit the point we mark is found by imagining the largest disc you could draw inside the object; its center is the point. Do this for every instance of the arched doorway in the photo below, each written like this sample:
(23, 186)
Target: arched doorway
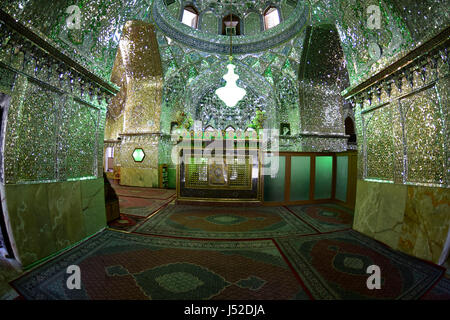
(190, 16)
(271, 17)
(231, 23)
(350, 130)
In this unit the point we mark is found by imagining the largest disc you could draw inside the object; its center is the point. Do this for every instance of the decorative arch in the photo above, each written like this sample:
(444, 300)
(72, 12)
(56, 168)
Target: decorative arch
(208, 22)
(97, 49)
(253, 23)
(350, 129)
(190, 15)
(173, 6)
(235, 22)
(271, 17)
(200, 94)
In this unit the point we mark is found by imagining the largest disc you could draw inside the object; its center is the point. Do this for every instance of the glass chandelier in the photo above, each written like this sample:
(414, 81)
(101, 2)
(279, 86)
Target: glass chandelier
(231, 94)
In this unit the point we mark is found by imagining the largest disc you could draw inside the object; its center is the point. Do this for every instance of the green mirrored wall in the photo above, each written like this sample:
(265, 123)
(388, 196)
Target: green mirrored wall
(274, 186)
(312, 177)
(323, 177)
(300, 178)
(341, 177)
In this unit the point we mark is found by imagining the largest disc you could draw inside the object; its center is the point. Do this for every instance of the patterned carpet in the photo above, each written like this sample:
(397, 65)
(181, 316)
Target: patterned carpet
(116, 265)
(140, 207)
(257, 253)
(333, 266)
(441, 291)
(224, 222)
(324, 218)
(148, 193)
(134, 209)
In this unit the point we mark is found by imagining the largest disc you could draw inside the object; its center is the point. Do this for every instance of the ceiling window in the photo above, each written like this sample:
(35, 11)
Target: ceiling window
(231, 24)
(271, 18)
(190, 17)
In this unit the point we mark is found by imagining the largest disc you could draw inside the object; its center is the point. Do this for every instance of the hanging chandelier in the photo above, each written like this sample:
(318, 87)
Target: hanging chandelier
(231, 94)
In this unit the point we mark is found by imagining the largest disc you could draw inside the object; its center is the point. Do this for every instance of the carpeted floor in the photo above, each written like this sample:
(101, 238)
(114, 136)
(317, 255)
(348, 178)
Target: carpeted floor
(324, 218)
(333, 266)
(126, 223)
(441, 291)
(140, 207)
(198, 252)
(224, 222)
(147, 193)
(136, 208)
(116, 265)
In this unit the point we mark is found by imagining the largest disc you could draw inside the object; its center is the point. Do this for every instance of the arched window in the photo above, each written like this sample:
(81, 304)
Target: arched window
(109, 159)
(231, 23)
(250, 133)
(271, 18)
(190, 17)
(210, 131)
(230, 131)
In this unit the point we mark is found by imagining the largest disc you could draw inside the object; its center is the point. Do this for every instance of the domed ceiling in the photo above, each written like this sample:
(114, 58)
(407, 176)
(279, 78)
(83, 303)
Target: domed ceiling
(241, 8)
(167, 17)
(405, 25)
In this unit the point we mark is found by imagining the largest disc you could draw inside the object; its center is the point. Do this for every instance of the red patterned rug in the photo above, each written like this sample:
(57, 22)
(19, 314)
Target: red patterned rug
(334, 266)
(121, 266)
(224, 222)
(282, 257)
(324, 218)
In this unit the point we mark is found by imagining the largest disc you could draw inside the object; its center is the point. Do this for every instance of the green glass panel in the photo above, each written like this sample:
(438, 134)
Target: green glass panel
(192, 73)
(172, 177)
(324, 177)
(274, 186)
(138, 155)
(252, 24)
(174, 9)
(37, 135)
(286, 65)
(268, 75)
(286, 9)
(300, 178)
(209, 23)
(6, 79)
(341, 177)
